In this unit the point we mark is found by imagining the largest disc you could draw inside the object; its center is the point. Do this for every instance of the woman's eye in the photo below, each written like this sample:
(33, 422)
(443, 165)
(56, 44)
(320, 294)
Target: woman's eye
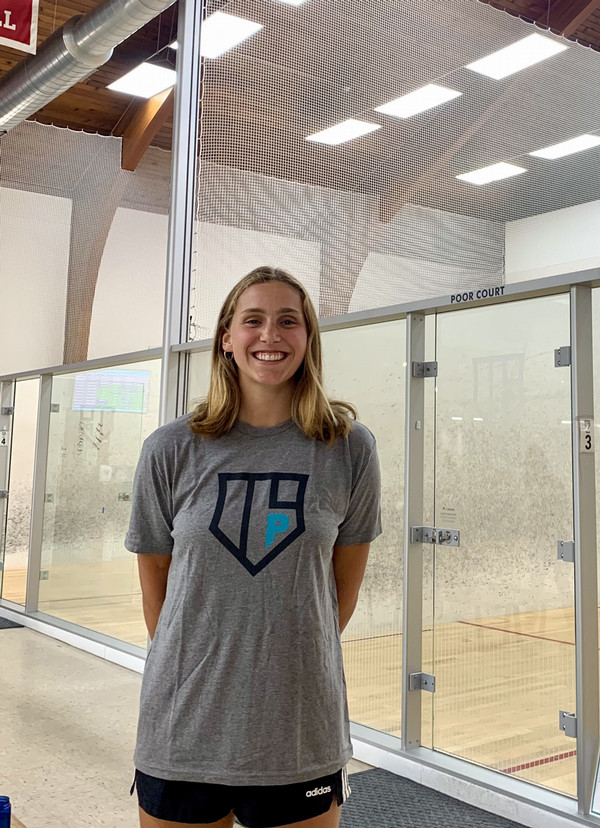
(251, 321)
(289, 322)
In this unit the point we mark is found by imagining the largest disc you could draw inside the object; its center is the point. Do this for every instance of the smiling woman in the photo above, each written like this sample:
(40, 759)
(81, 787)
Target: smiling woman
(253, 519)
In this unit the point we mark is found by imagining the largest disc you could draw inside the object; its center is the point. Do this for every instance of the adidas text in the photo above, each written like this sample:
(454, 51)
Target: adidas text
(317, 791)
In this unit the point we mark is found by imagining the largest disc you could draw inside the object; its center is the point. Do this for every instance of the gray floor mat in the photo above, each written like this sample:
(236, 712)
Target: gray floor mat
(383, 800)
(5, 624)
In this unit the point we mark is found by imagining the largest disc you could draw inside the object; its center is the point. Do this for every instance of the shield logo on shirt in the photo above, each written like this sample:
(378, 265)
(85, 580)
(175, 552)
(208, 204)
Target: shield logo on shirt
(257, 516)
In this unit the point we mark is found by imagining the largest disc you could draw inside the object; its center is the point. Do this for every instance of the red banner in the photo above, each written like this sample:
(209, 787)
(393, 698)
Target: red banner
(18, 24)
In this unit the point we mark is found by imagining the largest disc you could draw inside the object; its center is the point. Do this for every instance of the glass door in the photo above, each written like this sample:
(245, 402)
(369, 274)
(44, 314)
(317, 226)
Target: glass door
(18, 519)
(503, 618)
(7, 396)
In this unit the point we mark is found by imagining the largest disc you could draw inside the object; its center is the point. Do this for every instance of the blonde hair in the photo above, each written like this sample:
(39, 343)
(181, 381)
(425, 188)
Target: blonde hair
(319, 417)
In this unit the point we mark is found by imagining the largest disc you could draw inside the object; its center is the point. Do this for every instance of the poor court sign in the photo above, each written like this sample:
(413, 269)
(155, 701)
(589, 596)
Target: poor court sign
(18, 24)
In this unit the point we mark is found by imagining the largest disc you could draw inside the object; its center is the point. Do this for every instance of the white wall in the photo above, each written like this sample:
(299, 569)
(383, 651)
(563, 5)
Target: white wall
(553, 243)
(128, 304)
(34, 259)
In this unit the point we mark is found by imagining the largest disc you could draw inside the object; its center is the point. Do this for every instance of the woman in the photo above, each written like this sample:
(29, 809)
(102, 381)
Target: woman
(253, 519)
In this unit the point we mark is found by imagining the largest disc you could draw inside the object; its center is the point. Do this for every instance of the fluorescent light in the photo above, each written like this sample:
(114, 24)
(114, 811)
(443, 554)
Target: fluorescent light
(345, 131)
(495, 172)
(418, 101)
(582, 142)
(478, 419)
(145, 81)
(221, 32)
(520, 55)
(457, 418)
(293, 2)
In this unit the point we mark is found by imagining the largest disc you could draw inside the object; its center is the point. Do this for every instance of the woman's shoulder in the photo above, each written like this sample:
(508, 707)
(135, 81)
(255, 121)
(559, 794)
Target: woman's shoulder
(170, 435)
(360, 440)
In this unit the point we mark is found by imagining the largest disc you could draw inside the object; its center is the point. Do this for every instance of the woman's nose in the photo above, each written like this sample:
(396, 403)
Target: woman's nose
(270, 332)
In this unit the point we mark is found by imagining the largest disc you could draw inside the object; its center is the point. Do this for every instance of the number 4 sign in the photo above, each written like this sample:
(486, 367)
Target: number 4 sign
(586, 435)
(18, 24)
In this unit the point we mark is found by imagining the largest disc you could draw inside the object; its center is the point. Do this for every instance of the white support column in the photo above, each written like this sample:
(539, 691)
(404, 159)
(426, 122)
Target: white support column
(7, 402)
(182, 208)
(584, 523)
(40, 465)
(412, 611)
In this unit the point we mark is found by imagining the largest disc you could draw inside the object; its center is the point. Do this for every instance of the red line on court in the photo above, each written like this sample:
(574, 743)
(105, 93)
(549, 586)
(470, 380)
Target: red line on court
(515, 632)
(537, 762)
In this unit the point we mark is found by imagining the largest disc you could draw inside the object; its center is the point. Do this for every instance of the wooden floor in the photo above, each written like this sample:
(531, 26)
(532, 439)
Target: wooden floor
(500, 682)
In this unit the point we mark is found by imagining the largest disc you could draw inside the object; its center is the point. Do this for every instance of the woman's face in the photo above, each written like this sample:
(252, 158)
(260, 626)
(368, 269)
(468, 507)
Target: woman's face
(268, 335)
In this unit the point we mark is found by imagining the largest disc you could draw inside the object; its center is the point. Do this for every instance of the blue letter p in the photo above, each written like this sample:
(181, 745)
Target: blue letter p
(276, 524)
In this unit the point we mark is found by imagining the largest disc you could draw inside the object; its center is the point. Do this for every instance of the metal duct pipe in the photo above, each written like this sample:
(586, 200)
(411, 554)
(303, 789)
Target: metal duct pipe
(70, 55)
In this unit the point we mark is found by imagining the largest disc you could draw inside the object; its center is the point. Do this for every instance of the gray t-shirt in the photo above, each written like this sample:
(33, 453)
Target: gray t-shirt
(244, 682)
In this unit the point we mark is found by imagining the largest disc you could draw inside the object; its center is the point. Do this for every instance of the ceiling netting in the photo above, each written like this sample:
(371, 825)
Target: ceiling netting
(381, 219)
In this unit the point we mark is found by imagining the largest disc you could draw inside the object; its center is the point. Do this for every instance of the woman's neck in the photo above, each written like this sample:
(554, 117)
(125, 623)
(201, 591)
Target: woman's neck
(264, 407)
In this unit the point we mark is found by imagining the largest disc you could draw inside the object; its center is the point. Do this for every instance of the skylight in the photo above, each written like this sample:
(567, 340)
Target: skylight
(526, 52)
(494, 172)
(145, 81)
(418, 101)
(221, 32)
(578, 144)
(342, 132)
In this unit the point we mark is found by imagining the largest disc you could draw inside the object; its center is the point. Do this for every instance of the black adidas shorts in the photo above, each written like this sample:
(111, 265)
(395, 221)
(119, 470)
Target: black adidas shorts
(254, 806)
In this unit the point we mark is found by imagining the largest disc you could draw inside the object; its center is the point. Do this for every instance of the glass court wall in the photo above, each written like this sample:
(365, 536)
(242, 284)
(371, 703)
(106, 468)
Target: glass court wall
(98, 421)
(503, 604)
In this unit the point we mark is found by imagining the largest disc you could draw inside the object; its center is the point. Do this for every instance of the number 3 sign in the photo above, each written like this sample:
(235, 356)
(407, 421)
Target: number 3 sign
(586, 435)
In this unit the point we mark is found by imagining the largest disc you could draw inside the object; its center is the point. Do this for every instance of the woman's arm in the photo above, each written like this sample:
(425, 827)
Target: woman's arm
(349, 564)
(154, 570)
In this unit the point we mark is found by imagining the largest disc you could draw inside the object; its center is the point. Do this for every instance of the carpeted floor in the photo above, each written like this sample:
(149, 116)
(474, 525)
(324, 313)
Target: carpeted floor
(383, 800)
(5, 624)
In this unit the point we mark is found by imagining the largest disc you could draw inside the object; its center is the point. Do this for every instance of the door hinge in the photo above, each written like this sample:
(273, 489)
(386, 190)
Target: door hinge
(421, 681)
(3, 494)
(567, 722)
(566, 551)
(7, 410)
(54, 408)
(429, 534)
(562, 357)
(424, 369)
(44, 574)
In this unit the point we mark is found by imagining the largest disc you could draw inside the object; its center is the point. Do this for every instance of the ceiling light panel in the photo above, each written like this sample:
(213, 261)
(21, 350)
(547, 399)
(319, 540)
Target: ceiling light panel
(145, 81)
(582, 142)
(344, 131)
(526, 52)
(293, 2)
(221, 32)
(418, 101)
(495, 172)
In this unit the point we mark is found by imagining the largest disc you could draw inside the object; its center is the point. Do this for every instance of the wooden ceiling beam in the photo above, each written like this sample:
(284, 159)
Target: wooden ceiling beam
(140, 125)
(567, 16)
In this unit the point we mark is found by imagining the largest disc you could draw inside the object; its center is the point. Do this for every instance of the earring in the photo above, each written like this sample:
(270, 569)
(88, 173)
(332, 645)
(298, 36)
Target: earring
(228, 355)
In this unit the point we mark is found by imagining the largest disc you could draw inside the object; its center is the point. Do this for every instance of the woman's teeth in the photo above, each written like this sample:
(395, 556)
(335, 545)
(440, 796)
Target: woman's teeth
(270, 357)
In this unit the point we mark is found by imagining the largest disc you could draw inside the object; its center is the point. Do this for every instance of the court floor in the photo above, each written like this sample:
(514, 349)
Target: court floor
(500, 681)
